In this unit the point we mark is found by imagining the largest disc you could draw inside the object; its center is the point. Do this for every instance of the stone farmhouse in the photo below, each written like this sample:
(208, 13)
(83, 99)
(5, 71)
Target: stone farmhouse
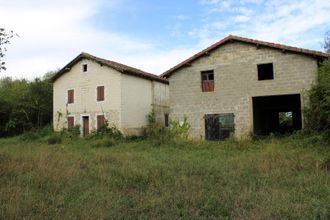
(240, 86)
(90, 91)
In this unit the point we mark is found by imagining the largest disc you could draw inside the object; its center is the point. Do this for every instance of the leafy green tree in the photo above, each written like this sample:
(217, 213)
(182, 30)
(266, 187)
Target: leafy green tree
(5, 37)
(318, 112)
(25, 105)
(327, 42)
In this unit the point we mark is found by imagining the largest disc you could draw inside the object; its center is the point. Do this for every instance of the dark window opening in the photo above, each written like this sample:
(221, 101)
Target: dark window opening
(70, 96)
(166, 121)
(100, 93)
(207, 81)
(84, 67)
(276, 114)
(219, 126)
(265, 71)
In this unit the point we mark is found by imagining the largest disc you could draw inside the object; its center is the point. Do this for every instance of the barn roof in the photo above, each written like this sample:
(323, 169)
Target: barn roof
(232, 38)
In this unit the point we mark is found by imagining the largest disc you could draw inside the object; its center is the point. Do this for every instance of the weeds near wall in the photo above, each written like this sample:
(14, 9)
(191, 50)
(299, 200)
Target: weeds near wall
(176, 133)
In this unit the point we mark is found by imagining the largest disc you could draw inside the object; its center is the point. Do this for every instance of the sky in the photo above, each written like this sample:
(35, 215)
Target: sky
(152, 35)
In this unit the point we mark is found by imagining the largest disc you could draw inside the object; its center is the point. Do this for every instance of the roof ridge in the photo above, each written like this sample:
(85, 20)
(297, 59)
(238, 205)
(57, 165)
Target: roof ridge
(113, 64)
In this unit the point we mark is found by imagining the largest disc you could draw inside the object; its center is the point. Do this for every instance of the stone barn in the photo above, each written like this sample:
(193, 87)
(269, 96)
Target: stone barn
(240, 86)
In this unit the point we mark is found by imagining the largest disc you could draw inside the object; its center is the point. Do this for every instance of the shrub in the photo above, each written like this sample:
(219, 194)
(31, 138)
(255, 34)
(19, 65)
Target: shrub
(318, 112)
(37, 133)
(108, 142)
(54, 139)
(159, 135)
(106, 132)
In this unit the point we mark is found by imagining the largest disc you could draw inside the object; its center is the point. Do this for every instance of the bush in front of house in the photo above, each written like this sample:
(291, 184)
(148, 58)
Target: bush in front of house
(176, 133)
(317, 114)
(54, 139)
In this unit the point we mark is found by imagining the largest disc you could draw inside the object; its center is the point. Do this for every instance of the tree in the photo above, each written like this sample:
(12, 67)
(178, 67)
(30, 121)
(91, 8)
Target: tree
(4, 40)
(318, 112)
(327, 42)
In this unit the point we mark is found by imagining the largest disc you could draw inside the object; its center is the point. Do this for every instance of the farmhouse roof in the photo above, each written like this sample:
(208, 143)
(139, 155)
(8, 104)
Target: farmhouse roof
(232, 38)
(117, 66)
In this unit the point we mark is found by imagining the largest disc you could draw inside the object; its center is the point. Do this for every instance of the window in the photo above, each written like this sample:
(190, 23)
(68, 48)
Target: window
(84, 67)
(70, 122)
(265, 71)
(100, 93)
(208, 81)
(219, 126)
(100, 121)
(166, 120)
(70, 96)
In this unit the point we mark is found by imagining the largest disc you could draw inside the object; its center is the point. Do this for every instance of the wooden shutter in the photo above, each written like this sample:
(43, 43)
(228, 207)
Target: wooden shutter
(208, 85)
(100, 121)
(70, 96)
(100, 93)
(70, 122)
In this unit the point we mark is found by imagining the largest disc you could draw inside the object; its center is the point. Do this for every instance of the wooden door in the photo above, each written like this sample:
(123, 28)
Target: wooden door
(212, 127)
(85, 126)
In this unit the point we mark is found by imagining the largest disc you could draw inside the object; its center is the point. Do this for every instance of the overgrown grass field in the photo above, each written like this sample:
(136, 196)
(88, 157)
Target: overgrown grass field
(274, 178)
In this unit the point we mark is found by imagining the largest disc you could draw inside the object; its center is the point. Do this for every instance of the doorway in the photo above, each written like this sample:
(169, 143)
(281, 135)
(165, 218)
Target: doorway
(85, 130)
(219, 126)
(276, 114)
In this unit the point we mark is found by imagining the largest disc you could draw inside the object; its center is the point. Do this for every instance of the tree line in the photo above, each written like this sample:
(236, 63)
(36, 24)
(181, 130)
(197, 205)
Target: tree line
(25, 105)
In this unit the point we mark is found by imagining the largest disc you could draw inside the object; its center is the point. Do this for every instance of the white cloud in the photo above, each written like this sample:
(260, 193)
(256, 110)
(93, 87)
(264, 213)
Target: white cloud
(296, 22)
(53, 33)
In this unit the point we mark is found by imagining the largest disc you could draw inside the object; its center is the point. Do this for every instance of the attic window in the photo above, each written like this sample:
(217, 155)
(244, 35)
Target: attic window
(265, 71)
(84, 67)
(207, 81)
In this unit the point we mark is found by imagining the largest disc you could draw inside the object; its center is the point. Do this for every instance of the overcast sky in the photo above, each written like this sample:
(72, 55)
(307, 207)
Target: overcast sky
(152, 35)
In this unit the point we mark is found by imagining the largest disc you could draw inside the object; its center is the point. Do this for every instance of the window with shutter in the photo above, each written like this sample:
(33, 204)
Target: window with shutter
(208, 81)
(100, 121)
(100, 93)
(70, 96)
(70, 122)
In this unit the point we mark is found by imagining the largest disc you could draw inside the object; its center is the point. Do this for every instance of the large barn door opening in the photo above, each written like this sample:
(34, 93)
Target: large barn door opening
(219, 126)
(276, 114)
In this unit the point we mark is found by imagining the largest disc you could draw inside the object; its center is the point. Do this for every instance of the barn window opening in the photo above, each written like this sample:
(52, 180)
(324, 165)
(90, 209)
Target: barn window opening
(100, 93)
(219, 126)
(285, 122)
(166, 121)
(265, 71)
(70, 96)
(84, 67)
(207, 81)
(279, 114)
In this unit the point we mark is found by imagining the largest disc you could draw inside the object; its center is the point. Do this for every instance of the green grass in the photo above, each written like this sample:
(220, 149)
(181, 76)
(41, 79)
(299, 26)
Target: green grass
(266, 179)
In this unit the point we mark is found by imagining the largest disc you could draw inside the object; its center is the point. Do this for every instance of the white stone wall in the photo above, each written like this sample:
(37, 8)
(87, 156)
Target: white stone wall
(236, 82)
(85, 103)
(128, 99)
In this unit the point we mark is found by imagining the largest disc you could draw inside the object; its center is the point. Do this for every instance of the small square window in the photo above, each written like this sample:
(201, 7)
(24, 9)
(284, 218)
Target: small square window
(84, 67)
(207, 81)
(265, 71)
